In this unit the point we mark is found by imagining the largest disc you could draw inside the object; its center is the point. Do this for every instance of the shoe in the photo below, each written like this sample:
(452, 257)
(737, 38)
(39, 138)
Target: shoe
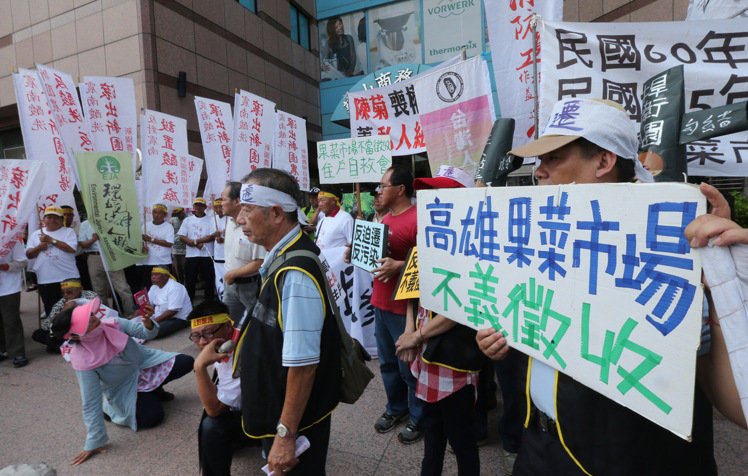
(163, 395)
(3, 356)
(387, 422)
(410, 434)
(20, 361)
(507, 462)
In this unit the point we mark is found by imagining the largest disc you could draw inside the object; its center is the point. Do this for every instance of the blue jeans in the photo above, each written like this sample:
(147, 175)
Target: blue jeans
(399, 383)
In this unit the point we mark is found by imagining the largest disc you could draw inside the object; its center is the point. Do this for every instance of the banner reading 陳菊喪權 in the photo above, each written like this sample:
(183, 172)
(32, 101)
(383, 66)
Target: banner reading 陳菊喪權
(610, 295)
(613, 60)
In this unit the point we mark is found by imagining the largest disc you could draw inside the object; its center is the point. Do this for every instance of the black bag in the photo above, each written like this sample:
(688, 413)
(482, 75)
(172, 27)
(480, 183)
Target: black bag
(455, 349)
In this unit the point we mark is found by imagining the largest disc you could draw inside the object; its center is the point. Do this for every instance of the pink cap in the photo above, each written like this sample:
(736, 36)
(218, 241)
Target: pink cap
(81, 317)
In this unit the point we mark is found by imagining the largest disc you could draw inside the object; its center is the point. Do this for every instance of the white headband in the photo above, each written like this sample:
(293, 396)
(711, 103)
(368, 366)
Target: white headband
(253, 194)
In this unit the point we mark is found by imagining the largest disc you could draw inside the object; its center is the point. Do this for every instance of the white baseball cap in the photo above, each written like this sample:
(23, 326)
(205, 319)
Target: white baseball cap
(446, 177)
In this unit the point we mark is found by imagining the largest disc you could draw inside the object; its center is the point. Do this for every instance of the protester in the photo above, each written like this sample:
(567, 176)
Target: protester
(197, 233)
(220, 431)
(219, 254)
(394, 193)
(179, 249)
(290, 371)
(158, 238)
(109, 364)
(243, 259)
(311, 212)
(88, 240)
(335, 226)
(170, 302)
(52, 250)
(11, 327)
(379, 210)
(68, 221)
(447, 389)
(71, 290)
(572, 429)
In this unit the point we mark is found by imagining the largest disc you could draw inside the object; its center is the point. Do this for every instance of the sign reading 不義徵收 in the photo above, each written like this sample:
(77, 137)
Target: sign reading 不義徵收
(597, 281)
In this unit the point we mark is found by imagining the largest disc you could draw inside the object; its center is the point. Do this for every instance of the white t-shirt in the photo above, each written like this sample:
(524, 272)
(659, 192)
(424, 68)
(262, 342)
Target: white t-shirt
(218, 248)
(239, 251)
(85, 233)
(11, 280)
(54, 265)
(335, 231)
(195, 228)
(229, 391)
(158, 254)
(172, 297)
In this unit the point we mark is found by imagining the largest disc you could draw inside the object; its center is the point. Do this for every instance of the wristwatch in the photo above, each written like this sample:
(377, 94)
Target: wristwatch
(54, 242)
(283, 431)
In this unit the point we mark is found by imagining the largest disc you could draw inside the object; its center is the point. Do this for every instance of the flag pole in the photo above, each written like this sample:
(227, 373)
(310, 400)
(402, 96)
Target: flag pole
(534, 23)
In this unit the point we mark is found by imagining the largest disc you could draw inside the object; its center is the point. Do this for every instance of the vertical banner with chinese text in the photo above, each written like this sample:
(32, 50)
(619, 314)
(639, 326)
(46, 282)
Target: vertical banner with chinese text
(195, 167)
(42, 140)
(456, 115)
(609, 295)
(613, 60)
(164, 146)
(109, 107)
(356, 160)
(217, 134)
(291, 153)
(20, 181)
(108, 190)
(254, 132)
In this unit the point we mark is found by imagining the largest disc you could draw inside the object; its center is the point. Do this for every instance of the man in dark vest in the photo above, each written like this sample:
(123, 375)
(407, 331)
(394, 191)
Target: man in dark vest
(288, 361)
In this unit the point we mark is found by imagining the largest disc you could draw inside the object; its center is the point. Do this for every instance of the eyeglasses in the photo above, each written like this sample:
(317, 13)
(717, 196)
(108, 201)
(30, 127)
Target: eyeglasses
(381, 186)
(205, 335)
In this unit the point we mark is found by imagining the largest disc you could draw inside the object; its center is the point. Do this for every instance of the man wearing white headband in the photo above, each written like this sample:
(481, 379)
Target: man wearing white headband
(288, 361)
(570, 428)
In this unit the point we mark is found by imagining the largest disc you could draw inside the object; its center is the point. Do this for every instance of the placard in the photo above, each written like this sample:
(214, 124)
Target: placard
(355, 160)
(407, 284)
(369, 244)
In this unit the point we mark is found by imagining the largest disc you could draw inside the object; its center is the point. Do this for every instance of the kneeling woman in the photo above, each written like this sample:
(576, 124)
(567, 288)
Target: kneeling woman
(107, 362)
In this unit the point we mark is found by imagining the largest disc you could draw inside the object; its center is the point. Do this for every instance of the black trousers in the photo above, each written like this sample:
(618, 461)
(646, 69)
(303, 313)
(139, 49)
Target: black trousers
(148, 409)
(202, 266)
(50, 294)
(453, 419)
(312, 462)
(219, 437)
(170, 326)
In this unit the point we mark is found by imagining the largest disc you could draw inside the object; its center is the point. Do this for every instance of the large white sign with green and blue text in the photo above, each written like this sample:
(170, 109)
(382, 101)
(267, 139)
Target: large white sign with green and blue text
(597, 281)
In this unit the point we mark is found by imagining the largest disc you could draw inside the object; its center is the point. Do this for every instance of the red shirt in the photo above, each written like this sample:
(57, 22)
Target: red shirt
(401, 238)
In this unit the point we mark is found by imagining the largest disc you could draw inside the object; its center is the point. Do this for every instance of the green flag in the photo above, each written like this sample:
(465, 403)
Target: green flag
(108, 190)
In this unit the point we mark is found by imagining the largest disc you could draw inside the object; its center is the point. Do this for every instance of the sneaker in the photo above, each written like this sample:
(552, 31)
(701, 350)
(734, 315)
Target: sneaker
(20, 361)
(162, 395)
(3, 356)
(507, 462)
(387, 422)
(410, 434)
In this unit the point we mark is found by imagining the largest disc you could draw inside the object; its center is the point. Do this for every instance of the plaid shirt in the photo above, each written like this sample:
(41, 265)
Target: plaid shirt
(435, 382)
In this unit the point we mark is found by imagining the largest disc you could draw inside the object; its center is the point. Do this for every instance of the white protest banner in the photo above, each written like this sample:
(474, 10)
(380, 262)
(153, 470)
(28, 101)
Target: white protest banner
(351, 289)
(62, 98)
(42, 140)
(510, 32)
(166, 175)
(291, 152)
(109, 108)
(613, 60)
(195, 167)
(363, 159)
(254, 133)
(389, 110)
(450, 26)
(20, 181)
(609, 294)
(217, 134)
(369, 244)
(456, 114)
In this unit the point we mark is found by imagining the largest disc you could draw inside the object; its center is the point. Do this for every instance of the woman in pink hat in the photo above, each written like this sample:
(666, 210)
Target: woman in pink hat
(111, 365)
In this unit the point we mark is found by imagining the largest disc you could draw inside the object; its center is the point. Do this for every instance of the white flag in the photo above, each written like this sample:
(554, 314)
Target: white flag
(291, 152)
(19, 182)
(254, 126)
(166, 175)
(217, 133)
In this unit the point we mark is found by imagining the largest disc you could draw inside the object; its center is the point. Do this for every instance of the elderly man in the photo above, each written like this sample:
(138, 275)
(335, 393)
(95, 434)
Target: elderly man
(243, 259)
(571, 428)
(335, 226)
(71, 289)
(289, 353)
(197, 232)
(220, 430)
(52, 250)
(11, 328)
(88, 240)
(170, 302)
(158, 238)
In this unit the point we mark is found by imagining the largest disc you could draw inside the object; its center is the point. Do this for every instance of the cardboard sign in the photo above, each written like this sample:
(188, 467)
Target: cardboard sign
(369, 244)
(597, 281)
(363, 159)
(407, 285)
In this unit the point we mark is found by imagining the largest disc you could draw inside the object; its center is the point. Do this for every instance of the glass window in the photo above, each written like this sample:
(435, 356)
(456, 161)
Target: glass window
(299, 27)
(294, 24)
(249, 4)
(342, 46)
(395, 31)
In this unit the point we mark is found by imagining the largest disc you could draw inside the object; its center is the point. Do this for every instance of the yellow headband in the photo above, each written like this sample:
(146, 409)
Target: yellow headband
(328, 195)
(207, 320)
(53, 211)
(159, 207)
(70, 284)
(199, 200)
(217, 202)
(158, 270)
